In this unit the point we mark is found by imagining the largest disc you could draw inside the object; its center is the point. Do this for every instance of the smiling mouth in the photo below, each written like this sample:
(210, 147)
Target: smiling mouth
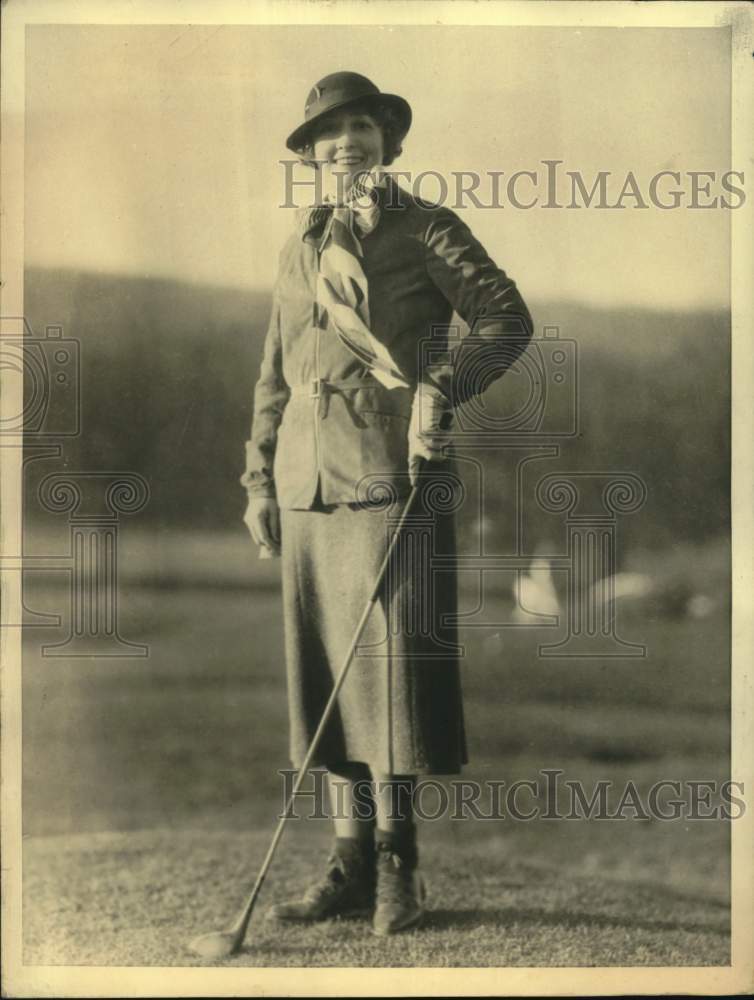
(348, 161)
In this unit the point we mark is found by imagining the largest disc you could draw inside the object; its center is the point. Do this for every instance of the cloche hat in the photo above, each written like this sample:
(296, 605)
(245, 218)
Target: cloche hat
(337, 91)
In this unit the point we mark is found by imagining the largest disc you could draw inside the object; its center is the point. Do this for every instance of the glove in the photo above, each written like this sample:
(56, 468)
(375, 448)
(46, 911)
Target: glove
(428, 429)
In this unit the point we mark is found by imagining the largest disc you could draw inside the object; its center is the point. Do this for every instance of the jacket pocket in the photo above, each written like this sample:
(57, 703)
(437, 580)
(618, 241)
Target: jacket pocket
(376, 399)
(384, 444)
(295, 468)
(359, 441)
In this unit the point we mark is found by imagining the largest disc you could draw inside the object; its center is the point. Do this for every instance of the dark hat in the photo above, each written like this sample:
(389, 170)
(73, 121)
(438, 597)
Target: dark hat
(337, 91)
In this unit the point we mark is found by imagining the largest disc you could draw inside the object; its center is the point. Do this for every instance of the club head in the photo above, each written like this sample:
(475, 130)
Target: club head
(217, 944)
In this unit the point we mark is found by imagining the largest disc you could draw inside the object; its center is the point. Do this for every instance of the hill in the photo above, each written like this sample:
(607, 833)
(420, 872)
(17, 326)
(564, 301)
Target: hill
(167, 375)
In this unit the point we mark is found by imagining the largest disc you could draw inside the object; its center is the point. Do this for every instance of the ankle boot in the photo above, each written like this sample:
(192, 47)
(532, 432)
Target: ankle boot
(345, 889)
(400, 888)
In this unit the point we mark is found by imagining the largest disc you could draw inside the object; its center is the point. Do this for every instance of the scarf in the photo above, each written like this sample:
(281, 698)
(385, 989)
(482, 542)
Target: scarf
(342, 292)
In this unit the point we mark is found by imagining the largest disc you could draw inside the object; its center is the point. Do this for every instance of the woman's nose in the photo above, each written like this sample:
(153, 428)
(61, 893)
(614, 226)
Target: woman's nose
(345, 140)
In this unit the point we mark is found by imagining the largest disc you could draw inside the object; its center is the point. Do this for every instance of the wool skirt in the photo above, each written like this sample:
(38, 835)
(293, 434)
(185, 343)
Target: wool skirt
(400, 709)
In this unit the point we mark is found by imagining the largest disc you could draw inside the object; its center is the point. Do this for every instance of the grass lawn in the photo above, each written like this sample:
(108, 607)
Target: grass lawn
(138, 898)
(151, 792)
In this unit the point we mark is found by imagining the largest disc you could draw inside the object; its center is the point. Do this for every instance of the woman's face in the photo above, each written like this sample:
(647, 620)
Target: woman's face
(347, 143)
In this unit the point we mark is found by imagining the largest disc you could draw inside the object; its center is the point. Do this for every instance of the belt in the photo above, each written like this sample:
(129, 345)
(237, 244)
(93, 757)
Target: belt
(321, 389)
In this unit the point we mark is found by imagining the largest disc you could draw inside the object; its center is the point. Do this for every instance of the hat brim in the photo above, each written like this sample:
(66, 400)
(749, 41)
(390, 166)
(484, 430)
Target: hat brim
(299, 138)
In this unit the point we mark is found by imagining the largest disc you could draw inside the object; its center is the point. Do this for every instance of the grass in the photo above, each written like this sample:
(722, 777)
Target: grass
(151, 790)
(138, 898)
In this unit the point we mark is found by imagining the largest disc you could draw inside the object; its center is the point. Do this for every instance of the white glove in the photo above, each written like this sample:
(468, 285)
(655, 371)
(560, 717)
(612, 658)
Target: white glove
(428, 429)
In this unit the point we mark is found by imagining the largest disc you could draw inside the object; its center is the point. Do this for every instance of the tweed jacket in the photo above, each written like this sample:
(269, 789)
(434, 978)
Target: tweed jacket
(320, 419)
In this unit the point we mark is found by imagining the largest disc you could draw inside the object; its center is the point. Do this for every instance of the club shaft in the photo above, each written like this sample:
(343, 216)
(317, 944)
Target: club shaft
(240, 926)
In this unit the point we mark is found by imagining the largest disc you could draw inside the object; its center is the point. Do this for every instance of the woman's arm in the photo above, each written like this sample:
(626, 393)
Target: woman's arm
(270, 397)
(485, 297)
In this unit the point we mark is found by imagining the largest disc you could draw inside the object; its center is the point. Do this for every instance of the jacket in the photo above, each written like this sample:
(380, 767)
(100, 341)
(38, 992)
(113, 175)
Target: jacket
(320, 420)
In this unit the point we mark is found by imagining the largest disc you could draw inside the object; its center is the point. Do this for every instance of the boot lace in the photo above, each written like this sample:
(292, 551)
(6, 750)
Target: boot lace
(332, 883)
(395, 882)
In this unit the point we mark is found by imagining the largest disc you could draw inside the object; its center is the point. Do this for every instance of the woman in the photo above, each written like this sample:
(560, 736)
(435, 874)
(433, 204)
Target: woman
(354, 394)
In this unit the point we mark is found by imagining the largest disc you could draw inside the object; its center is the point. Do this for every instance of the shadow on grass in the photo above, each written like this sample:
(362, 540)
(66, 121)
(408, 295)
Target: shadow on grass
(499, 917)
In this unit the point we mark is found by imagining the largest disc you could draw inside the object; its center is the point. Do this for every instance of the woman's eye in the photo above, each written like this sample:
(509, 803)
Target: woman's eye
(326, 131)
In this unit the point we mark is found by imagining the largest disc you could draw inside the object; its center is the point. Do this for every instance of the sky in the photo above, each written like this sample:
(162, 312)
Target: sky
(155, 150)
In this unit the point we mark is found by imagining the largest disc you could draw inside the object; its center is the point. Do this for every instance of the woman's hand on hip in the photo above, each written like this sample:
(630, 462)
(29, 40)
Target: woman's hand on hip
(429, 429)
(262, 518)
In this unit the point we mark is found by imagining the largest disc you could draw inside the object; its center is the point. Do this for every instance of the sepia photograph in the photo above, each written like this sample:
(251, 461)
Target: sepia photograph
(377, 498)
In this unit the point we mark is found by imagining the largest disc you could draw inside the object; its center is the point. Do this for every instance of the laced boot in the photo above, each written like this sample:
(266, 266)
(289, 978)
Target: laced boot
(400, 888)
(346, 889)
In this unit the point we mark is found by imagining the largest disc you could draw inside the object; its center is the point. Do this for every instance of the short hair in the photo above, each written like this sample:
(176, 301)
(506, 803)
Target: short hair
(386, 118)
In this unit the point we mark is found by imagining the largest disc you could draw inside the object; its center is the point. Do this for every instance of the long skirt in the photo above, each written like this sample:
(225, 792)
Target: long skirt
(399, 710)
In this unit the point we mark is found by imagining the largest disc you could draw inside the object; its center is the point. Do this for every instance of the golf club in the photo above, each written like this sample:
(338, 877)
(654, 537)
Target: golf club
(220, 944)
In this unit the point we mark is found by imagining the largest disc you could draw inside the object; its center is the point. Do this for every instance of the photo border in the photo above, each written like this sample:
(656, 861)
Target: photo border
(78, 981)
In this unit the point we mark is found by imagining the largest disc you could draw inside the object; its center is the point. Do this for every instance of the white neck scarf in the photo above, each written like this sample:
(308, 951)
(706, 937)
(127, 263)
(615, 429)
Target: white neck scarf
(342, 292)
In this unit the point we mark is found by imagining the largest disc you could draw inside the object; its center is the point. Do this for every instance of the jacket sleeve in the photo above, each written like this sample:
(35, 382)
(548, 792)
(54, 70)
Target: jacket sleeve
(270, 397)
(500, 326)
